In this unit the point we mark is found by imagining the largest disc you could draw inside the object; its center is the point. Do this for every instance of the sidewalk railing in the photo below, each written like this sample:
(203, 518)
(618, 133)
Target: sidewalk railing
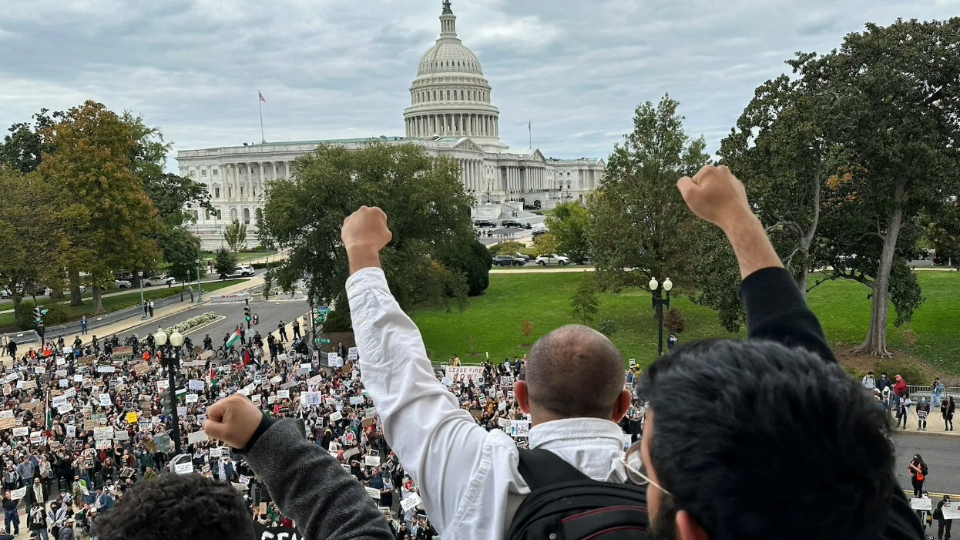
(25, 336)
(73, 328)
(918, 391)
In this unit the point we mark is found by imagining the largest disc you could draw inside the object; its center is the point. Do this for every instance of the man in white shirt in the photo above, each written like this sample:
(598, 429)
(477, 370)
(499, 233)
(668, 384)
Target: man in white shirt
(468, 478)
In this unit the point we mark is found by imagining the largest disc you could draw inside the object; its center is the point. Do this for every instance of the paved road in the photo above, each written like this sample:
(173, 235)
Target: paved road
(270, 313)
(942, 455)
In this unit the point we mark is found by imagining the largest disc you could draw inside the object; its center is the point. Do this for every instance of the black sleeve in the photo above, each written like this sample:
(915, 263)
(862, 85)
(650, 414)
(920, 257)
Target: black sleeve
(778, 312)
(310, 486)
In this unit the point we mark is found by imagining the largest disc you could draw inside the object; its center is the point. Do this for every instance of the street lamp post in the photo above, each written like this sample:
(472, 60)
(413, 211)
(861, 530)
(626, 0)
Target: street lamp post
(199, 287)
(143, 304)
(658, 304)
(170, 363)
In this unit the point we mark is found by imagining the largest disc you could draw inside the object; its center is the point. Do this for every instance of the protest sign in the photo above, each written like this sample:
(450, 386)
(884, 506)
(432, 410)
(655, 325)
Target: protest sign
(121, 435)
(216, 452)
(17, 494)
(58, 401)
(39, 370)
(131, 418)
(476, 414)
(78, 378)
(506, 382)
(271, 400)
(519, 428)
(106, 369)
(353, 353)
(21, 431)
(70, 392)
(282, 357)
(411, 502)
(446, 381)
(102, 433)
(336, 417)
(181, 411)
(197, 437)
(310, 398)
(33, 406)
(921, 504)
(356, 400)
(141, 368)
(951, 510)
(65, 409)
(27, 385)
(374, 493)
(244, 480)
(314, 381)
(283, 394)
(6, 414)
(196, 385)
(90, 425)
(192, 398)
(464, 373)
(333, 360)
(61, 361)
(183, 468)
(105, 400)
(7, 423)
(71, 431)
(372, 459)
(162, 385)
(63, 383)
(276, 379)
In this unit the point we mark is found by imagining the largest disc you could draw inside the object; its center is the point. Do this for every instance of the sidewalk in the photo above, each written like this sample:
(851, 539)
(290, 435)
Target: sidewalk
(935, 424)
(124, 327)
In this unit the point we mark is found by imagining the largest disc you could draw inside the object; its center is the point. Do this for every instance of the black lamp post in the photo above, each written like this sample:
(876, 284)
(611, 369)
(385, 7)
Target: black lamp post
(171, 362)
(658, 305)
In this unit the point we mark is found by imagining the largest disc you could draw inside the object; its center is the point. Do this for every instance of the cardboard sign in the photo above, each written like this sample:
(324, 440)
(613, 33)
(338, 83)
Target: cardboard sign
(27, 385)
(90, 425)
(8, 423)
(197, 437)
(411, 502)
(141, 368)
(131, 418)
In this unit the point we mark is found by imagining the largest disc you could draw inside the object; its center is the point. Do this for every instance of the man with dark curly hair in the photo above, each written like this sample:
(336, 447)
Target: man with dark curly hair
(305, 481)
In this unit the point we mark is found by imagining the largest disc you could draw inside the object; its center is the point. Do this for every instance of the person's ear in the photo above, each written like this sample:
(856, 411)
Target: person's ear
(621, 406)
(687, 528)
(523, 399)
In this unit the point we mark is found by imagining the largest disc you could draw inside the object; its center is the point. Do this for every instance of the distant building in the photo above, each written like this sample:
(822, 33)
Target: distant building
(450, 114)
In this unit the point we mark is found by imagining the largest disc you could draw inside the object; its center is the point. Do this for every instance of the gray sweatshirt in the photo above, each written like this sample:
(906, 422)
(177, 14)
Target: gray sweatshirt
(310, 486)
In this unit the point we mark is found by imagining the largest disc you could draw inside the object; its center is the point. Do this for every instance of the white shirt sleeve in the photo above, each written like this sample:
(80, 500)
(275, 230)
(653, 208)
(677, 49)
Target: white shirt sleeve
(439, 444)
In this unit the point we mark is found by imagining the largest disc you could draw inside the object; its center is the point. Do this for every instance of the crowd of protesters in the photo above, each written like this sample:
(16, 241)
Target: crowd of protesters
(894, 397)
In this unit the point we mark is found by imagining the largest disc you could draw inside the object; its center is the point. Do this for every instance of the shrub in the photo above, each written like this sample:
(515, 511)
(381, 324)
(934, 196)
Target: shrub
(856, 373)
(474, 263)
(23, 316)
(57, 313)
(911, 373)
(607, 327)
(338, 320)
(526, 327)
(673, 321)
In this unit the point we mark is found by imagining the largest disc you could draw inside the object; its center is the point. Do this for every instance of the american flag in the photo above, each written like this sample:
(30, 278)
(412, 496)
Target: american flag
(261, 97)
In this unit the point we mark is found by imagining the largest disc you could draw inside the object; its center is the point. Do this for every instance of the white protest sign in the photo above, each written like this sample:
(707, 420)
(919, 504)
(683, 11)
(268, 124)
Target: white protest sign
(59, 401)
(283, 394)
(332, 359)
(71, 431)
(18, 493)
(271, 400)
(374, 493)
(105, 400)
(633, 362)
(244, 480)
(61, 361)
(196, 437)
(282, 357)
(520, 428)
(196, 385)
(256, 398)
(192, 398)
(352, 353)
(216, 452)
(162, 385)
(183, 468)
(6, 414)
(70, 392)
(39, 370)
(103, 433)
(446, 381)
(315, 380)
(410, 502)
(335, 417)
(181, 411)
(923, 503)
(78, 378)
(356, 400)
(106, 369)
(65, 409)
(951, 510)
(275, 380)
(21, 431)
(464, 373)
(310, 398)
(372, 459)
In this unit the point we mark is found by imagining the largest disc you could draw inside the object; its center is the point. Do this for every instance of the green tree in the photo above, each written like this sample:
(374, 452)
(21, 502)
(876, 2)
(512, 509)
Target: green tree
(23, 148)
(427, 209)
(235, 235)
(225, 262)
(888, 98)
(545, 244)
(100, 195)
(181, 251)
(30, 224)
(640, 227)
(569, 224)
(584, 301)
(474, 261)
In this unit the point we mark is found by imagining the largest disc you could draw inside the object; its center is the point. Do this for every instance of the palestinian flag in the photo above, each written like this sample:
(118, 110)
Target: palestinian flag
(246, 357)
(234, 338)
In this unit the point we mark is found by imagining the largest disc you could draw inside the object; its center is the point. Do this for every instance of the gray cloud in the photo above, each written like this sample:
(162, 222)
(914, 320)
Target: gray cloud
(331, 69)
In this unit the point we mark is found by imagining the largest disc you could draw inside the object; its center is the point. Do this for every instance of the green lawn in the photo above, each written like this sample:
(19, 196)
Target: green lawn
(493, 320)
(120, 301)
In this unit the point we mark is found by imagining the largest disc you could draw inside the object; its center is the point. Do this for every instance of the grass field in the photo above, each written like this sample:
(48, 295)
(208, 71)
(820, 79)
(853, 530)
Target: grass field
(120, 301)
(493, 320)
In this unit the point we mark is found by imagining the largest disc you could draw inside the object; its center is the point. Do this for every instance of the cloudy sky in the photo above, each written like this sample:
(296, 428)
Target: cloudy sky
(339, 68)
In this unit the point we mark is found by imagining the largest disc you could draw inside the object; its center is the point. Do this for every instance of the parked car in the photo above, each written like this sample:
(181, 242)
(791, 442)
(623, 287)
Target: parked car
(539, 232)
(5, 293)
(560, 260)
(243, 270)
(526, 258)
(159, 280)
(508, 260)
(484, 223)
(511, 223)
(125, 276)
(122, 283)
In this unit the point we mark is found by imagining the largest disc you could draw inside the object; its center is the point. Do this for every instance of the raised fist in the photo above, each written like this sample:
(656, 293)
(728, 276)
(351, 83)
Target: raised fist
(716, 195)
(365, 230)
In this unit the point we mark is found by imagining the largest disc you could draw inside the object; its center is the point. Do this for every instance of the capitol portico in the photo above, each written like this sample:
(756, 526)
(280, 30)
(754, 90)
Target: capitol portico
(451, 113)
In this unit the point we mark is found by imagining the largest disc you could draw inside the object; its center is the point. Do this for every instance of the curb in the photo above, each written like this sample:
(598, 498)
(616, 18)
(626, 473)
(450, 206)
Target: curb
(945, 434)
(208, 323)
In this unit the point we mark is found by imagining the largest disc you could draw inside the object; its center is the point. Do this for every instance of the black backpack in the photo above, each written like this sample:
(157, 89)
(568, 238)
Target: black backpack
(565, 504)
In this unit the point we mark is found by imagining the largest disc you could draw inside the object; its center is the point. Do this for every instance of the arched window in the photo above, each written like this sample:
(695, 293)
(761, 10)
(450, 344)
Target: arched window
(233, 215)
(246, 216)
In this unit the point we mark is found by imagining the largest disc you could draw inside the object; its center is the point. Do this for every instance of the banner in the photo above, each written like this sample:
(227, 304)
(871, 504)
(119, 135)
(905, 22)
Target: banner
(462, 374)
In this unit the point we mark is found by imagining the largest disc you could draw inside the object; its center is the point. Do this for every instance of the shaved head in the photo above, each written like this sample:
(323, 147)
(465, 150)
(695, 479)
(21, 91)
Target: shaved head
(574, 372)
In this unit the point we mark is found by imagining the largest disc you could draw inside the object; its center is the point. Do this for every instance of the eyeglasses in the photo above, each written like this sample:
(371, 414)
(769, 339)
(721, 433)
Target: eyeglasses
(636, 470)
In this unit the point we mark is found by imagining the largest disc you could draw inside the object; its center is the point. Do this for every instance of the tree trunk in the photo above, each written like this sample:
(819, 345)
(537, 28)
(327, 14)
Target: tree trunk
(811, 233)
(75, 298)
(97, 301)
(802, 280)
(876, 342)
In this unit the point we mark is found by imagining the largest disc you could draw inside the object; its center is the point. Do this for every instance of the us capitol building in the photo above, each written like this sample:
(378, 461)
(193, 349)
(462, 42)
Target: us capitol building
(451, 113)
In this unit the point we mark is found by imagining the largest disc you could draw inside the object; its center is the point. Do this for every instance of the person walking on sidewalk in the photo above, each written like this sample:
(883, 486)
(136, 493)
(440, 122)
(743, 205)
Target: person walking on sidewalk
(923, 409)
(83, 324)
(947, 410)
(150, 304)
(918, 473)
(943, 524)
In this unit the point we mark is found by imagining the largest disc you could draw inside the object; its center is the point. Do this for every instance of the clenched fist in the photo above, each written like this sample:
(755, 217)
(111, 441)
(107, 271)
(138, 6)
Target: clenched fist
(716, 195)
(233, 420)
(364, 234)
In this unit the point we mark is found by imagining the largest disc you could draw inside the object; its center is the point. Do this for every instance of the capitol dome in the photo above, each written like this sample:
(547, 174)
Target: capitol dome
(450, 97)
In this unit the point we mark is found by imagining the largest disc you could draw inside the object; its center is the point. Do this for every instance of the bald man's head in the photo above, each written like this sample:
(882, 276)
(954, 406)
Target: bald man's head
(574, 372)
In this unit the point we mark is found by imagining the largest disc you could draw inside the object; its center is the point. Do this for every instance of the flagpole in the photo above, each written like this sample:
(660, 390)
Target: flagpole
(530, 129)
(260, 104)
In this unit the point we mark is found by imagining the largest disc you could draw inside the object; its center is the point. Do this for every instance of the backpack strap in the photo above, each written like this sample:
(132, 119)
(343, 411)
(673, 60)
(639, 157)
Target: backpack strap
(542, 468)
